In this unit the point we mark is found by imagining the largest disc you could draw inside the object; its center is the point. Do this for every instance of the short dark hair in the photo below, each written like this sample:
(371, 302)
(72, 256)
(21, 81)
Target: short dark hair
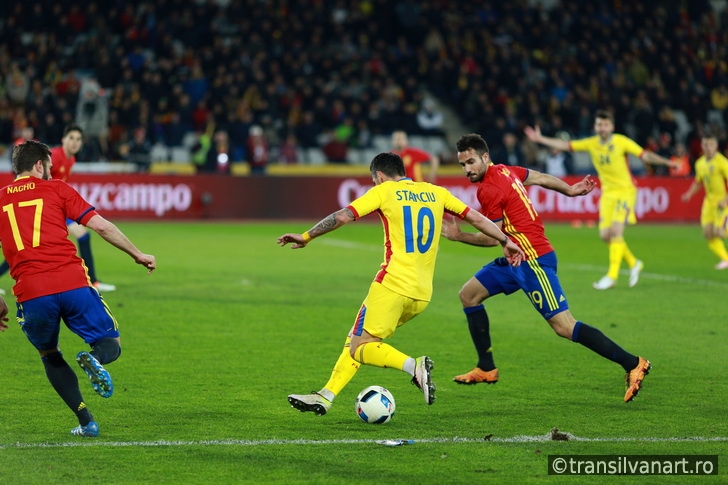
(472, 141)
(390, 164)
(70, 128)
(605, 115)
(27, 154)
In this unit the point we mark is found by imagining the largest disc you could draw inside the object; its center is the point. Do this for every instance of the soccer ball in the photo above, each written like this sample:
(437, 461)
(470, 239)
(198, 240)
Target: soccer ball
(375, 405)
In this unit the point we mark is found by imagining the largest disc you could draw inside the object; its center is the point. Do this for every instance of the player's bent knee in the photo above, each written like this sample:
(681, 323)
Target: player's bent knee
(107, 350)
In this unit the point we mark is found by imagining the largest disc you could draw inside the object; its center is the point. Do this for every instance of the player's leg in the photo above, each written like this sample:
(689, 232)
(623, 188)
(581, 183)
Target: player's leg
(490, 280)
(382, 312)
(636, 368)
(635, 265)
(713, 222)
(320, 402)
(40, 321)
(87, 315)
(607, 204)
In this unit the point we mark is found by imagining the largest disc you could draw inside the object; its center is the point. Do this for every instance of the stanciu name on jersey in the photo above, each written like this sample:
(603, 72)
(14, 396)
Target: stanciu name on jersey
(416, 196)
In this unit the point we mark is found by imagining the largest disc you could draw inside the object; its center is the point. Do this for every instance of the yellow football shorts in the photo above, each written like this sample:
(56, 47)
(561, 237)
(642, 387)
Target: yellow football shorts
(712, 215)
(617, 207)
(383, 311)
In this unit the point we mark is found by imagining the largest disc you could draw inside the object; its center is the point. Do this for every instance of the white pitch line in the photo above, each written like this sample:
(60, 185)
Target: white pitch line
(515, 439)
(652, 276)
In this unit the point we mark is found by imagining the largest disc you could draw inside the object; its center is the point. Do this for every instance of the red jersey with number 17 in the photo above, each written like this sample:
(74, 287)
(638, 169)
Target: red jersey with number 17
(34, 236)
(62, 165)
(503, 197)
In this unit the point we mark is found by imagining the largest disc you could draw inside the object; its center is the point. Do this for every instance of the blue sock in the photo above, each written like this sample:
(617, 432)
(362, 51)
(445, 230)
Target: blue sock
(593, 339)
(479, 326)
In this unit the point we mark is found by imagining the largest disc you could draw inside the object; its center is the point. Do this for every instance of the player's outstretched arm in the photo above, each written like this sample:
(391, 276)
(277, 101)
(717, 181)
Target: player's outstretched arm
(653, 158)
(111, 234)
(534, 134)
(547, 181)
(329, 223)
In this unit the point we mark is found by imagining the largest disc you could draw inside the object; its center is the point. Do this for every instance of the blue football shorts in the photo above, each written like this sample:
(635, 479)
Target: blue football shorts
(536, 277)
(83, 311)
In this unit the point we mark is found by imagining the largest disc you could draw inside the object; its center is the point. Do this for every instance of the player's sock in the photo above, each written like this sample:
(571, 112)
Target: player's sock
(593, 339)
(84, 247)
(718, 247)
(616, 253)
(628, 257)
(380, 354)
(65, 382)
(344, 370)
(479, 326)
(106, 350)
(4, 267)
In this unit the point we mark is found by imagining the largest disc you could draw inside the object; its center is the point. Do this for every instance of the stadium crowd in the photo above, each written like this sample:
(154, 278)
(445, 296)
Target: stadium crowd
(314, 72)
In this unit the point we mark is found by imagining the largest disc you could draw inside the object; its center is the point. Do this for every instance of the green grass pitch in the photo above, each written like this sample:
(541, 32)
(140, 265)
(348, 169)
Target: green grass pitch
(230, 324)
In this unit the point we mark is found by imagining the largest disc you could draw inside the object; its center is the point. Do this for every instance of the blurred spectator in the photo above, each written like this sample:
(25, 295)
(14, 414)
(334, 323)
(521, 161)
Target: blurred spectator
(334, 149)
(258, 151)
(719, 97)
(201, 149)
(558, 163)
(664, 149)
(666, 122)
(509, 153)
(680, 155)
(288, 151)
(17, 85)
(139, 150)
(308, 131)
(218, 156)
(92, 115)
(49, 128)
(26, 133)
(429, 119)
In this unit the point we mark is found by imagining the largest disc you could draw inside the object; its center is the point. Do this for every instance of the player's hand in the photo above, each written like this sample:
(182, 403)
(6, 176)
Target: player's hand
(451, 229)
(533, 134)
(685, 197)
(583, 187)
(3, 315)
(513, 253)
(674, 164)
(295, 239)
(148, 261)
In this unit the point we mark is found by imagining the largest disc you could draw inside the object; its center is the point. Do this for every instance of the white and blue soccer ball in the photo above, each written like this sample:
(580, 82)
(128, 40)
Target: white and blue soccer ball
(375, 405)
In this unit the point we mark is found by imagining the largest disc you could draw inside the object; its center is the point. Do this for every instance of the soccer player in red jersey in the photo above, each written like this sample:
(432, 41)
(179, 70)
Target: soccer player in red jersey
(64, 157)
(504, 200)
(51, 282)
(414, 158)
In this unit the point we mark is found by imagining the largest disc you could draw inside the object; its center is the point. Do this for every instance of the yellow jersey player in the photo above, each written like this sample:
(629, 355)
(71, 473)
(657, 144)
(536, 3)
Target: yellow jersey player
(411, 214)
(609, 153)
(711, 172)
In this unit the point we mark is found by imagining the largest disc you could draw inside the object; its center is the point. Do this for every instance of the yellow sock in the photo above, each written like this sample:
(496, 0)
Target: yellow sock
(344, 370)
(380, 354)
(718, 247)
(628, 257)
(616, 253)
